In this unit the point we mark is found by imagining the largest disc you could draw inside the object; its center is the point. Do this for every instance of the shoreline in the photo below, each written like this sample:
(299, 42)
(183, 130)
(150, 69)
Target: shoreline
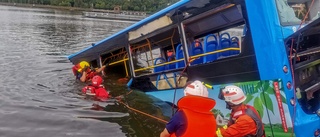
(50, 7)
(86, 12)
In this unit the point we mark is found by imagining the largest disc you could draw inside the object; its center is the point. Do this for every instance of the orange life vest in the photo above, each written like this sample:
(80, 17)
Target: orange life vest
(200, 120)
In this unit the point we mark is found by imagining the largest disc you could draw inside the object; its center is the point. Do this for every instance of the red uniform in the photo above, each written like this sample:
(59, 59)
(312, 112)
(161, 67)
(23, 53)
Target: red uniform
(245, 121)
(99, 92)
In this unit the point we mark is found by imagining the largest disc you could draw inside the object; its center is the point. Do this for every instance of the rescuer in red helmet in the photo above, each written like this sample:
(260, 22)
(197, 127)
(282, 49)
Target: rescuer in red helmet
(96, 88)
(244, 119)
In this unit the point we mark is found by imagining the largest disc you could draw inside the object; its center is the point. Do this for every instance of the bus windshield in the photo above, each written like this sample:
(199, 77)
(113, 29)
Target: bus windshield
(292, 12)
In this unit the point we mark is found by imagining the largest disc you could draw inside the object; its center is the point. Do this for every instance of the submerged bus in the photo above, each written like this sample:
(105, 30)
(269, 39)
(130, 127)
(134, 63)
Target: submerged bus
(270, 48)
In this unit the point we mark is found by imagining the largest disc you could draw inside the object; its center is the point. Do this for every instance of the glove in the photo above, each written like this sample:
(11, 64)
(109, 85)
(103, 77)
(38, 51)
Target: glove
(218, 132)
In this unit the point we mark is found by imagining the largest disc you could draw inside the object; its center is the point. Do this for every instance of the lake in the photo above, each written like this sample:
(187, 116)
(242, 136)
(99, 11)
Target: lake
(39, 94)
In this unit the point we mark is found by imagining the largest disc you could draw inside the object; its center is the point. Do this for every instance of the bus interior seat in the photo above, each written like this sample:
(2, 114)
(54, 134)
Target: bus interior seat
(210, 46)
(173, 65)
(225, 42)
(234, 44)
(179, 55)
(159, 68)
(196, 51)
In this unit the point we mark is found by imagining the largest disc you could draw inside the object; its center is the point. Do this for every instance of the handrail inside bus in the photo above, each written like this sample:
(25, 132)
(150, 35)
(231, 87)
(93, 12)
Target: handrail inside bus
(214, 52)
(149, 45)
(162, 64)
(193, 57)
(125, 58)
(114, 55)
(125, 64)
(113, 63)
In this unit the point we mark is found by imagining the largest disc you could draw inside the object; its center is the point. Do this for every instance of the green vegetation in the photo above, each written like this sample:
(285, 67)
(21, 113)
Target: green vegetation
(130, 5)
(261, 93)
(277, 131)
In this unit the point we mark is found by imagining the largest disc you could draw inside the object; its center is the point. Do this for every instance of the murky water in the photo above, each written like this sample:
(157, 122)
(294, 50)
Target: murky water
(38, 93)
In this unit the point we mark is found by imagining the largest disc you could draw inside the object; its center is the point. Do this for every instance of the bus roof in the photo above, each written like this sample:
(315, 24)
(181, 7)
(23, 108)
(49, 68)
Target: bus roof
(119, 38)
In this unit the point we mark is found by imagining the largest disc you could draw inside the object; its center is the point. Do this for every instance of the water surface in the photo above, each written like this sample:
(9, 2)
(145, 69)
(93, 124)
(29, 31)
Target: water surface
(39, 95)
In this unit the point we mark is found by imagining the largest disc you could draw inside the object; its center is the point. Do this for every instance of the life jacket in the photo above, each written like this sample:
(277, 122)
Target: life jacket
(200, 120)
(76, 69)
(99, 92)
(251, 112)
(90, 74)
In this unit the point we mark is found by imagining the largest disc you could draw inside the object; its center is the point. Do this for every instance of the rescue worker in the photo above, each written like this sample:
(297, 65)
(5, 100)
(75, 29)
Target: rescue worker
(244, 119)
(84, 73)
(194, 117)
(96, 89)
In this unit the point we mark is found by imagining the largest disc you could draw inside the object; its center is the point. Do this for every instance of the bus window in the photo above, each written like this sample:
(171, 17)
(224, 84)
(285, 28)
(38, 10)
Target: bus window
(292, 12)
(213, 44)
(143, 59)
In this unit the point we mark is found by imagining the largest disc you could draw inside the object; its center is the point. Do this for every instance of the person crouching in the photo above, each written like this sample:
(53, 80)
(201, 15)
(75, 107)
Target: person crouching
(245, 120)
(194, 117)
(96, 89)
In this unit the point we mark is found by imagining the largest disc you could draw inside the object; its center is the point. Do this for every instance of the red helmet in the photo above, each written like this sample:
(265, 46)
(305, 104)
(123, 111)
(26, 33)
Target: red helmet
(96, 81)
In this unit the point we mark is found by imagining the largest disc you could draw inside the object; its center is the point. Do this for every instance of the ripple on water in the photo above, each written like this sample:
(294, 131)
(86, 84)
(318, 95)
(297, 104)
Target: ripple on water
(39, 95)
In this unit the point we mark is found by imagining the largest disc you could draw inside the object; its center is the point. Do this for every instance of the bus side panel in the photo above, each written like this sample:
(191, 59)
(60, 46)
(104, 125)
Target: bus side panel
(268, 98)
(272, 57)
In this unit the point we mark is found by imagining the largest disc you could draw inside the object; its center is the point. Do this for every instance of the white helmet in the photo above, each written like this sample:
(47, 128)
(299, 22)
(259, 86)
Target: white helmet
(196, 88)
(234, 94)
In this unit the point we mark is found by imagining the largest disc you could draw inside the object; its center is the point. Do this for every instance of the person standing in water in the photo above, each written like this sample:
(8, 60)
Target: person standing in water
(83, 72)
(96, 89)
(194, 117)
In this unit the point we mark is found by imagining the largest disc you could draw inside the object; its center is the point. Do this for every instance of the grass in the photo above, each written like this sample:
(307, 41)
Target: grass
(278, 132)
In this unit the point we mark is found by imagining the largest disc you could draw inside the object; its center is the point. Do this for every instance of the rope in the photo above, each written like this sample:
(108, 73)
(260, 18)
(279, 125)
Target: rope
(118, 99)
(178, 81)
(133, 109)
(185, 68)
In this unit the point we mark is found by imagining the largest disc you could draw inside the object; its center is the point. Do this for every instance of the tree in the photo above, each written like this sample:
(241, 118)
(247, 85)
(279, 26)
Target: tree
(134, 5)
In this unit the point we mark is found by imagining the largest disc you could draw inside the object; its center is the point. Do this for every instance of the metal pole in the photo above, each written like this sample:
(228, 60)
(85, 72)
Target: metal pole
(184, 43)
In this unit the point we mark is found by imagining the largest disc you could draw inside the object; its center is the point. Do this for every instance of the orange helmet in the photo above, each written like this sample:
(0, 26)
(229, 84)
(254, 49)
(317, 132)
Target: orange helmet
(96, 81)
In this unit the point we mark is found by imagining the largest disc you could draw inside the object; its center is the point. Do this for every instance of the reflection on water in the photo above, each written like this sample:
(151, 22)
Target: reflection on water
(39, 95)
